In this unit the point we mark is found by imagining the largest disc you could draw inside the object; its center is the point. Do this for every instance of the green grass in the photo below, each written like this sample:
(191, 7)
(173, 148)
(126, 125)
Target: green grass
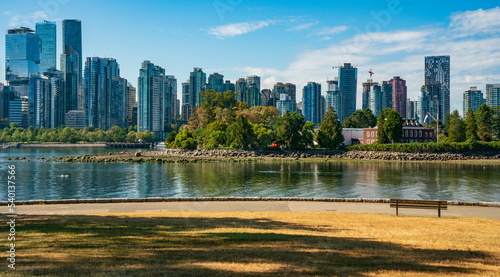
(255, 244)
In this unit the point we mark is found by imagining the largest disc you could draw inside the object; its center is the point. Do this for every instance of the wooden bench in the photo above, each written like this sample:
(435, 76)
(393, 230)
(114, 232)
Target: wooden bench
(419, 204)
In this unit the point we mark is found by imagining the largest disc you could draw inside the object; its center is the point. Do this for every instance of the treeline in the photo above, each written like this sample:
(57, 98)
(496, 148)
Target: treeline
(223, 123)
(13, 133)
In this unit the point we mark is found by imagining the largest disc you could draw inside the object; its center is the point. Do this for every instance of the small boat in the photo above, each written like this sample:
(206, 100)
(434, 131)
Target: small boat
(65, 176)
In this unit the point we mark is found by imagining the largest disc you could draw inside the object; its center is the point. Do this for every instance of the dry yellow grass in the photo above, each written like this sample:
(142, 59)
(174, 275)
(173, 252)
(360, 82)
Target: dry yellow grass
(256, 244)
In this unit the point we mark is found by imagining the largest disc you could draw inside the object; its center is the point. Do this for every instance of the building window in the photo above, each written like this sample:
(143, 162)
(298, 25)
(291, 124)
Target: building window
(420, 133)
(425, 134)
(367, 134)
(430, 134)
(372, 135)
(406, 133)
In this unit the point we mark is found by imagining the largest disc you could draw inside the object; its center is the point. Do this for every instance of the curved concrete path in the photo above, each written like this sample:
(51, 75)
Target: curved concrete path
(253, 206)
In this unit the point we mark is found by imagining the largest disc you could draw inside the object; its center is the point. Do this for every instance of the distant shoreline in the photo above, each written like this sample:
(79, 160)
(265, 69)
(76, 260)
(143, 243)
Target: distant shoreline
(62, 145)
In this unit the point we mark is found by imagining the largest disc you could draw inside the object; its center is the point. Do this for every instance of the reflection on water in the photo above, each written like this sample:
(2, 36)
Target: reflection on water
(447, 181)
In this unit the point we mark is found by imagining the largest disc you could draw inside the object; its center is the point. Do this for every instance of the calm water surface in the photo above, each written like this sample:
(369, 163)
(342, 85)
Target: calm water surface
(446, 181)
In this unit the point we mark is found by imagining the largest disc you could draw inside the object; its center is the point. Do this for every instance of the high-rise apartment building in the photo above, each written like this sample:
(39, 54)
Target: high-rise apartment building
(169, 100)
(39, 102)
(72, 62)
(254, 97)
(57, 95)
(151, 90)
(267, 98)
(197, 80)
(187, 100)
(411, 111)
(241, 88)
(311, 102)
(437, 72)
(229, 86)
(367, 87)
(473, 99)
(131, 103)
(399, 95)
(375, 98)
(216, 82)
(493, 95)
(348, 78)
(46, 31)
(105, 93)
(386, 89)
(428, 102)
(284, 104)
(254, 80)
(333, 96)
(279, 88)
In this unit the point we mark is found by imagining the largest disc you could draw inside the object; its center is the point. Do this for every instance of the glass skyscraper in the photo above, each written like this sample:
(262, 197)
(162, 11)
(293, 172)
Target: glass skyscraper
(399, 95)
(333, 96)
(46, 31)
(348, 78)
(22, 58)
(473, 99)
(151, 90)
(437, 72)
(311, 102)
(71, 61)
(197, 80)
(493, 95)
(216, 82)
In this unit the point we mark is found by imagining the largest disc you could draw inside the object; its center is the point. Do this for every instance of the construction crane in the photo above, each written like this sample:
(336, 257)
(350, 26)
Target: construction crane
(371, 73)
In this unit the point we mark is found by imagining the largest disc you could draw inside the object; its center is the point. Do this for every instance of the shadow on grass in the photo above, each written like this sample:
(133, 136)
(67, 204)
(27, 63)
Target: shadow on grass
(193, 246)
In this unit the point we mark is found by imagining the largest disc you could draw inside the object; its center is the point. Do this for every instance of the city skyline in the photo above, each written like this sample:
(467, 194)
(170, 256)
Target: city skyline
(287, 43)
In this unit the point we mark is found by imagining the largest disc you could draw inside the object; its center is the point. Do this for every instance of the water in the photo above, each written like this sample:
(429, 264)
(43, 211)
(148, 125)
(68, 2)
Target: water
(445, 181)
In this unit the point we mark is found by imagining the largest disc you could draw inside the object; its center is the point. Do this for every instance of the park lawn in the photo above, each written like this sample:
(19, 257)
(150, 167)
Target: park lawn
(254, 244)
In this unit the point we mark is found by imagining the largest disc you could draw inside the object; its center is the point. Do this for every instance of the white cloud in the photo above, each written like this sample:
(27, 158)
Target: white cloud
(27, 20)
(235, 29)
(305, 26)
(476, 22)
(6, 12)
(332, 30)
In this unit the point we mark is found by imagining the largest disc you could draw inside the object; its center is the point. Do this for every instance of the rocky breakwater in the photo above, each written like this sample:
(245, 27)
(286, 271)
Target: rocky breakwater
(201, 155)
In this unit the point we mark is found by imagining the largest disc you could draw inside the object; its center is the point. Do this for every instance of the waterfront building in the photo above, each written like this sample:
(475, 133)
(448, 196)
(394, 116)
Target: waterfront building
(279, 88)
(253, 96)
(284, 104)
(7, 94)
(72, 63)
(399, 95)
(348, 77)
(106, 96)
(291, 90)
(333, 96)
(375, 99)
(46, 31)
(187, 108)
(268, 98)
(311, 102)
(131, 103)
(39, 102)
(367, 88)
(413, 131)
(151, 90)
(241, 90)
(197, 80)
(169, 100)
(493, 95)
(473, 99)
(437, 72)
(76, 119)
(229, 86)
(216, 82)
(428, 102)
(411, 109)
(254, 80)
(18, 111)
(22, 58)
(57, 95)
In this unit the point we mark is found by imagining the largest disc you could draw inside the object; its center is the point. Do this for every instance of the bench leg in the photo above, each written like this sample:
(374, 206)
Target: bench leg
(439, 212)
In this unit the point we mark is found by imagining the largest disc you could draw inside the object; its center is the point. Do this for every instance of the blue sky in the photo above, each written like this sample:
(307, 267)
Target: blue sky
(282, 41)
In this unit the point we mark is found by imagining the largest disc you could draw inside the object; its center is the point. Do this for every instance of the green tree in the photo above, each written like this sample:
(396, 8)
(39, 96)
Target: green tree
(212, 127)
(330, 132)
(361, 119)
(496, 122)
(170, 138)
(455, 126)
(216, 139)
(131, 137)
(185, 140)
(382, 137)
(484, 122)
(263, 135)
(290, 131)
(116, 134)
(393, 126)
(471, 126)
(240, 134)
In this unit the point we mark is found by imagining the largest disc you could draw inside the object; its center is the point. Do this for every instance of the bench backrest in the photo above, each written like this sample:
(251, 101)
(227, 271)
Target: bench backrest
(422, 204)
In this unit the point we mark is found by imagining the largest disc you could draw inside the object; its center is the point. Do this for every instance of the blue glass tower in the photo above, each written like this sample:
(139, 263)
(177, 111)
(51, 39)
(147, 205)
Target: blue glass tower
(151, 90)
(22, 58)
(311, 102)
(348, 77)
(71, 61)
(46, 31)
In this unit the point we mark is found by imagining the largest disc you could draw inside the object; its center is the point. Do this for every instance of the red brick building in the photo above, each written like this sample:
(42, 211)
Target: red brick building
(413, 131)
